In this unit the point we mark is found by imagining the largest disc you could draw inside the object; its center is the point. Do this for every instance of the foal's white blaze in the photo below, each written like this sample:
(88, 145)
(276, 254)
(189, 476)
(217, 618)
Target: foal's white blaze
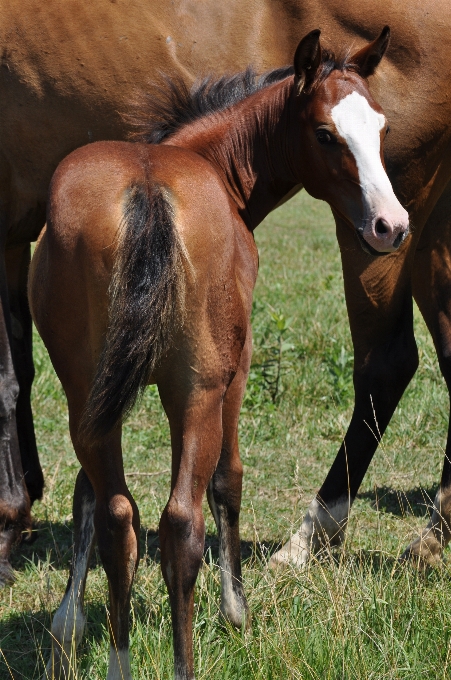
(360, 125)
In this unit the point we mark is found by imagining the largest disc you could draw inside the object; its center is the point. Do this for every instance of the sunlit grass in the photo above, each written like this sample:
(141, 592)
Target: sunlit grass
(355, 615)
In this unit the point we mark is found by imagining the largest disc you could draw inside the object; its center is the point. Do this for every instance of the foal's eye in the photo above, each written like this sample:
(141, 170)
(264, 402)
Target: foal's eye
(387, 130)
(325, 137)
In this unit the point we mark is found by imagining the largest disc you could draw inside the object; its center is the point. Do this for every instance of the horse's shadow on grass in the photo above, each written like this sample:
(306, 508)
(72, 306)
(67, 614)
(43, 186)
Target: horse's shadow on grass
(25, 638)
(52, 542)
(416, 502)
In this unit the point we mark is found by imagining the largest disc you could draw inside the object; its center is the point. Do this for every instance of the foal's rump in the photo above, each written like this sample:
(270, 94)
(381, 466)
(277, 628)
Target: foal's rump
(146, 233)
(146, 302)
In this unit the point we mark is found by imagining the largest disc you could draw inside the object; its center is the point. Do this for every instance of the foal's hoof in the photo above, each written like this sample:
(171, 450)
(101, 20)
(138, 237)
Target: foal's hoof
(7, 576)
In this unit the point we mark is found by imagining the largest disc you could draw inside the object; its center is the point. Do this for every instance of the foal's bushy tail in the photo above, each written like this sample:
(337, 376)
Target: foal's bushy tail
(146, 305)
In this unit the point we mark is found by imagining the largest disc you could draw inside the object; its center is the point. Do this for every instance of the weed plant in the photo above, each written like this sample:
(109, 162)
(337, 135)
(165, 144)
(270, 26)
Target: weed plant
(355, 614)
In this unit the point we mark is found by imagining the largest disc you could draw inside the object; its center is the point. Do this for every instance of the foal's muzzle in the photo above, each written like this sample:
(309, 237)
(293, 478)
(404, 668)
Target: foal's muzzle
(397, 237)
(384, 233)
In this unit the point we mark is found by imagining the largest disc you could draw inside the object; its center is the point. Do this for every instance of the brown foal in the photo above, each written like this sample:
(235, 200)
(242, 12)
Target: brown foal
(145, 274)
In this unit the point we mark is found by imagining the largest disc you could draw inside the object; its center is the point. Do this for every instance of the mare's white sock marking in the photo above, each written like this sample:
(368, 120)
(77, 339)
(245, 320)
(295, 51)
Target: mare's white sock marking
(119, 665)
(321, 525)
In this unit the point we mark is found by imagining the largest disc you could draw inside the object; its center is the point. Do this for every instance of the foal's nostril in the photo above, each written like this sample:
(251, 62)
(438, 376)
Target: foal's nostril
(381, 227)
(399, 239)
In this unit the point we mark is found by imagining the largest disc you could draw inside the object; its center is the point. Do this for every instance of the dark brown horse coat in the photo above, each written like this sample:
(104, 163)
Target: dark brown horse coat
(67, 69)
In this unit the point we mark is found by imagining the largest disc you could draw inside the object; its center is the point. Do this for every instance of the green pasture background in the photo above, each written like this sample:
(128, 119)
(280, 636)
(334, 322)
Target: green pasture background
(357, 614)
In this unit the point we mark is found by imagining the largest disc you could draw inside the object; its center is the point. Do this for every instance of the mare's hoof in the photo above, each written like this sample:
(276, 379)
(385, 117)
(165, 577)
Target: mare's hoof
(423, 554)
(294, 553)
(237, 613)
(7, 576)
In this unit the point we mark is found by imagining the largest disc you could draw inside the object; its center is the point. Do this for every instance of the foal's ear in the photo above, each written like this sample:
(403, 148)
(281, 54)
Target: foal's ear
(368, 58)
(307, 59)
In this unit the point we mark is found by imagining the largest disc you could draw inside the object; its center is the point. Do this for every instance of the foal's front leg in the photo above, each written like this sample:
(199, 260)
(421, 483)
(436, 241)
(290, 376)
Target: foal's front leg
(196, 435)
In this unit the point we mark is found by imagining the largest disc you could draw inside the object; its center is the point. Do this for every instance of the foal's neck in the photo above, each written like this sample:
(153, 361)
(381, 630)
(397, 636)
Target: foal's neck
(247, 144)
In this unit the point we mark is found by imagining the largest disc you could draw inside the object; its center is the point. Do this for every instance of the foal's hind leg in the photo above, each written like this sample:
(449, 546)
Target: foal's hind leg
(116, 522)
(196, 436)
(224, 497)
(432, 290)
(69, 620)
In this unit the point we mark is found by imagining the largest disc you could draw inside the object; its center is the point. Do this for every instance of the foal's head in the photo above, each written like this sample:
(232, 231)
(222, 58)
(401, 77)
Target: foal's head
(341, 144)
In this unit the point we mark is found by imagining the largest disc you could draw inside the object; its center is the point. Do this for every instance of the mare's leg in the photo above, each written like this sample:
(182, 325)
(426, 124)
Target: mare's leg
(196, 436)
(431, 280)
(379, 302)
(15, 519)
(17, 264)
(69, 620)
(224, 497)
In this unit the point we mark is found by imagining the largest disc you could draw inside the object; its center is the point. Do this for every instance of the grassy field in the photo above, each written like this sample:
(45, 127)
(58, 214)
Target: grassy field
(356, 616)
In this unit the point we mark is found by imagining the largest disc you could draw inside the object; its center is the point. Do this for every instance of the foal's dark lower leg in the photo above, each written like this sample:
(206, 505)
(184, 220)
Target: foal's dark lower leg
(116, 523)
(224, 497)
(69, 620)
(117, 527)
(182, 537)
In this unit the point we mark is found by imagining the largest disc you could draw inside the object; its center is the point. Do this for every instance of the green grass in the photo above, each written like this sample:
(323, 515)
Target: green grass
(356, 615)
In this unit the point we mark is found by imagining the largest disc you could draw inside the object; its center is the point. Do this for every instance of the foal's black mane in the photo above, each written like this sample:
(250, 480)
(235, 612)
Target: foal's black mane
(173, 104)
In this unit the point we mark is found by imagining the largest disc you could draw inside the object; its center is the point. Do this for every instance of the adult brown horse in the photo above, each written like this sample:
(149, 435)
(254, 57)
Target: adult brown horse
(65, 72)
(145, 273)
